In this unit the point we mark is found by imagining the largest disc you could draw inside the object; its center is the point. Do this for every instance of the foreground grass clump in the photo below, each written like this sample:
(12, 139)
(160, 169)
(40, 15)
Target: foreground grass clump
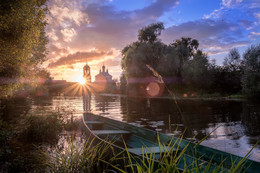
(45, 126)
(87, 157)
(21, 136)
(101, 158)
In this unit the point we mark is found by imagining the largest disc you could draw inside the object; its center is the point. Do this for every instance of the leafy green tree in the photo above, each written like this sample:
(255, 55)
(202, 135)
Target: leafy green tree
(195, 71)
(22, 41)
(123, 84)
(147, 50)
(186, 48)
(172, 61)
(251, 77)
(150, 33)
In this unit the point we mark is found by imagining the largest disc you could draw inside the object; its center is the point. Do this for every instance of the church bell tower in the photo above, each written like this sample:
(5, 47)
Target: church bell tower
(86, 73)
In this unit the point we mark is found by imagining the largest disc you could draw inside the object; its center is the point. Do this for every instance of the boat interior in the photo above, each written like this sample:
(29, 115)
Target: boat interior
(137, 140)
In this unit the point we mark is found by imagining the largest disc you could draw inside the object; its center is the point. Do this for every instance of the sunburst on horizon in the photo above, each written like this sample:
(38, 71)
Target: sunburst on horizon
(81, 80)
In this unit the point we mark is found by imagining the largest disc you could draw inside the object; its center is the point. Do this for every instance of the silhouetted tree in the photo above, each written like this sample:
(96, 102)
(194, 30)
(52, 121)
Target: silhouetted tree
(150, 33)
(195, 71)
(147, 50)
(123, 84)
(251, 77)
(233, 61)
(186, 48)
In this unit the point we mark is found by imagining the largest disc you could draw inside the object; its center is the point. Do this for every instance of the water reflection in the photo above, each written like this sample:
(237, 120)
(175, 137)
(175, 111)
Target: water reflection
(232, 126)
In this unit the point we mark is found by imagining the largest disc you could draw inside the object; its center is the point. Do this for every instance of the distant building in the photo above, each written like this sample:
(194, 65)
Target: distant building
(86, 73)
(104, 82)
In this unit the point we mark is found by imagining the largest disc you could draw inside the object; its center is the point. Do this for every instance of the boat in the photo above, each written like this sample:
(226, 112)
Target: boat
(138, 141)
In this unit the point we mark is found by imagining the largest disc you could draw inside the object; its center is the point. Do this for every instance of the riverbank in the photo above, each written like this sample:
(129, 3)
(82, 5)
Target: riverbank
(216, 96)
(237, 122)
(25, 130)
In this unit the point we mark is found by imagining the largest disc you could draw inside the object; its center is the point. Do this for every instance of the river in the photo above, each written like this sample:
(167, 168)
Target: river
(231, 125)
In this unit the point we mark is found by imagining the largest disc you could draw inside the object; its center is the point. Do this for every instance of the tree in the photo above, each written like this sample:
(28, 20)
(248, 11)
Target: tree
(123, 84)
(147, 50)
(186, 48)
(251, 77)
(195, 71)
(172, 61)
(150, 33)
(22, 41)
(190, 44)
(233, 61)
(232, 72)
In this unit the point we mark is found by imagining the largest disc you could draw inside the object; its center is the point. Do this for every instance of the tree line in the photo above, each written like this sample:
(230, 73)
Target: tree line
(22, 45)
(186, 69)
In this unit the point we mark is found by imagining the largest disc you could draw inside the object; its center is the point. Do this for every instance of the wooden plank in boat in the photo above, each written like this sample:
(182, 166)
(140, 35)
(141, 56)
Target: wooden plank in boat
(148, 150)
(94, 122)
(110, 132)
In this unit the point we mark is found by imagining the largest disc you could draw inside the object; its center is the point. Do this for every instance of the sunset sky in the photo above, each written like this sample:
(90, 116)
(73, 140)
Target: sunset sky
(97, 30)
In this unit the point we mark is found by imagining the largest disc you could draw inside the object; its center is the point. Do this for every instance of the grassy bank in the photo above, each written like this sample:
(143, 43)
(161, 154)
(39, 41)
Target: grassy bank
(22, 135)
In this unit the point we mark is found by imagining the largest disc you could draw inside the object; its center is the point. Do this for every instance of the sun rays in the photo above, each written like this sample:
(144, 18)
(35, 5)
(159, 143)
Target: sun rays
(80, 80)
(82, 87)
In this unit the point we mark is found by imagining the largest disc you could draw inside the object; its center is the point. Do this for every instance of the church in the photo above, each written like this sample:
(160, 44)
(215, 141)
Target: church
(103, 81)
(103, 76)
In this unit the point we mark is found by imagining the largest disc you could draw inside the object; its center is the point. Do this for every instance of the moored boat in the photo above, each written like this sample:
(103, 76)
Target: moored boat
(140, 140)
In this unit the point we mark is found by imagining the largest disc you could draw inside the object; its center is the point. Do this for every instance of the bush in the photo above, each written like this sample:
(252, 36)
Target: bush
(43, 128)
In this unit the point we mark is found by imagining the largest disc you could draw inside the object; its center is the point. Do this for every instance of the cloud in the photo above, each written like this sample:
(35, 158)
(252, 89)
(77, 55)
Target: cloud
(95, 29)
(75, 27)
(66, 12)
(215, 14)
(246, 24)
(257, 16)
(230, 3)
(79, 57)
(224, 10)
(214, 36)
(81, 25)
(110, 63)
(68, 34)
(254, 35)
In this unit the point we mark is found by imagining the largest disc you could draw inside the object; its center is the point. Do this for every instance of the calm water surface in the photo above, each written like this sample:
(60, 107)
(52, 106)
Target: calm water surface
(231, 126)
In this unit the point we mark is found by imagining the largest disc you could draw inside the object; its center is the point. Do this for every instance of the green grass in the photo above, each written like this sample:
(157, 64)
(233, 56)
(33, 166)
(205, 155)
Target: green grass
(87, 157)
(46, 125)
(91, 157)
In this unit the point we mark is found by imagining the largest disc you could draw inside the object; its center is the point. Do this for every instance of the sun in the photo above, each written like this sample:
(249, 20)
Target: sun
(81, 80)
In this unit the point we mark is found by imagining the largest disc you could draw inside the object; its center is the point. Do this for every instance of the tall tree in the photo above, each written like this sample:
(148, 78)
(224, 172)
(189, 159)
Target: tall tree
(150, 33)
(232, 72)
(22, 41)
(195, 71)
(186, 47)
(233, 60)
(251, 77)
(147, 50)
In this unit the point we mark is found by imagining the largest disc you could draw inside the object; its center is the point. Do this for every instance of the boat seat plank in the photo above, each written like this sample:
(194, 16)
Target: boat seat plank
(110, 132)
(148, 150)
(94, 122)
